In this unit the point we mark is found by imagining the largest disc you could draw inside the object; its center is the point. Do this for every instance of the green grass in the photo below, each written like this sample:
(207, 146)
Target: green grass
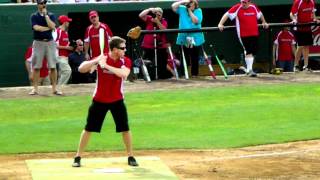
(223, 117)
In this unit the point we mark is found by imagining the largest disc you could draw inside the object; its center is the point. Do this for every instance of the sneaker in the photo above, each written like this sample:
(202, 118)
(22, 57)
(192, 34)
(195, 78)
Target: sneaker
(251, 73)
(132, 161)
(76, 162)
(296, 69)
(305, 68)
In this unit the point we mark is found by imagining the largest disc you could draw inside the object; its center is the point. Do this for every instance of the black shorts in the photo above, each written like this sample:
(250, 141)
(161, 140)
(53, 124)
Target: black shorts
(304, 38)
(97, 113)
(250, 44)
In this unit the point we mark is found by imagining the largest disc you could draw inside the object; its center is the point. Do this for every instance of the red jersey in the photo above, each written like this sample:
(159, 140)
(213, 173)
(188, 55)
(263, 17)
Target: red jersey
(284, 42)
(148, 40)
(44, 71)
(246, 19)
(92, 37)
(109, 87)
(62, 40)
(304, 10)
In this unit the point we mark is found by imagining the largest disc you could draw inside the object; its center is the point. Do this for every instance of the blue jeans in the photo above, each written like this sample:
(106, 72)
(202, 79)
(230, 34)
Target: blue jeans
(287, 66)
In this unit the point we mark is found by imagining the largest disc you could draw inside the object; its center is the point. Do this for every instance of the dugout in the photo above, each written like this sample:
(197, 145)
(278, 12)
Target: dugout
(16, 32)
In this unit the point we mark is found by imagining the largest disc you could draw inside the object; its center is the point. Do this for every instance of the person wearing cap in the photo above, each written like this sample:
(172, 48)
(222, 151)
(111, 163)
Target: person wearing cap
(190, 17)
(64, 49)
(246, 15)
(284, 48)
(43, 22)
(303, 11)
(153, 17)
(91, 39)
(112, 69)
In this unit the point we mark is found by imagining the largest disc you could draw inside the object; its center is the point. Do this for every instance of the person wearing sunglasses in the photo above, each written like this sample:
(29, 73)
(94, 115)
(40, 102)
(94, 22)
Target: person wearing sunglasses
(153, 18)
(113, 68)
(246, 15)
(43, 23)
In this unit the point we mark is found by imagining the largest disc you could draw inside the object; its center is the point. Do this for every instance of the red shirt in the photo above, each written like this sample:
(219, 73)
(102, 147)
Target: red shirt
(246, 19)
(62, 40)
(284, 42)
(109, 87)
(304, 10)
(92, 37)
(44, 71)
(148, 40)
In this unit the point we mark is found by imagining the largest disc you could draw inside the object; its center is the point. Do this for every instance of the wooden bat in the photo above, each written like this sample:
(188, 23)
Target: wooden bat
(101, 44)
(212, 73)
(184, 64)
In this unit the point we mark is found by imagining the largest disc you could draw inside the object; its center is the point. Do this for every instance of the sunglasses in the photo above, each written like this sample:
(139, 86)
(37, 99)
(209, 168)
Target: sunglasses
(43, 3)
(122, 48)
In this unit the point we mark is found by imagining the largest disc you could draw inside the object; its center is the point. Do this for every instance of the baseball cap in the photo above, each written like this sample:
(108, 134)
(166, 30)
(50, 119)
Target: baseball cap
(244, 0)
(63, 18)
(41, 1)
(93, 13)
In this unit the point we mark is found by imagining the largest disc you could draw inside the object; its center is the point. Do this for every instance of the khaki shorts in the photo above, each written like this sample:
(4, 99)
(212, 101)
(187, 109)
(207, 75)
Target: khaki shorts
(41, 50)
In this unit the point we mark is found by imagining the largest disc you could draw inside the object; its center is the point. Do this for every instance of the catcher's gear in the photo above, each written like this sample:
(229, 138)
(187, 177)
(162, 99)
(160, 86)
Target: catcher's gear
(134, 33)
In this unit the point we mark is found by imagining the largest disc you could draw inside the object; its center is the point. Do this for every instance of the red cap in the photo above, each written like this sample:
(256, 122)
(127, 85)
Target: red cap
(244, 0)
(93, 13)
(63, 18)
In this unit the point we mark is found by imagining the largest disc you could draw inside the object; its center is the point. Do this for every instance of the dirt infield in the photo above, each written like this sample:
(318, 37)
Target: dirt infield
(297, 160)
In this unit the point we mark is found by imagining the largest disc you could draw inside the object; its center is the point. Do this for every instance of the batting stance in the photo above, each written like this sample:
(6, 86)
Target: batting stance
(112, 69)
(246, 15)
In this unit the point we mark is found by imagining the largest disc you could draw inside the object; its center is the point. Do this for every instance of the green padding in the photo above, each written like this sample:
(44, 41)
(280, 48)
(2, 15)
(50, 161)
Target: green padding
(150, 167)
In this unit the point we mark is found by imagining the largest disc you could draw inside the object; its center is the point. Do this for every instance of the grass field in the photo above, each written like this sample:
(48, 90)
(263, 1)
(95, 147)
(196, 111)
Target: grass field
(205, 118)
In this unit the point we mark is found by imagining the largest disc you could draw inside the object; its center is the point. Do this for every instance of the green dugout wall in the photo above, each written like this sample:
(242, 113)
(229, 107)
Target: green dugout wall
(16, 32)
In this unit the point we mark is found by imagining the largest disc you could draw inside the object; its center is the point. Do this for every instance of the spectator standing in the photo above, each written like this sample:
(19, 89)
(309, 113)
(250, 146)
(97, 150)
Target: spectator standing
(91, 40)
(43, 22)
(190, 17)
(44, 71)
(113, 68)
(284, 50)
(75, 59)
(153, 17)
(303, 11)
(246, 14)
(64, 49)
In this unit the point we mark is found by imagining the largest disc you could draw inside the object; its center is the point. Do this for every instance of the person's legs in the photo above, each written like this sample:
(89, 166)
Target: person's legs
(127, 140)
(120, 117)
(35, 82)
(53, 79)
(305, 53)
(195, 51)
(298, 57)
(64, 70)
(96, 114)
(84, 139)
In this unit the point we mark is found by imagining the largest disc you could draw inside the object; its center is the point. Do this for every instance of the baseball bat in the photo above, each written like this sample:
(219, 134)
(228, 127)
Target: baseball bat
(143, 65)
(212, 73)
(220, 63)
(173, 62)
(101, 44)
(184, 64)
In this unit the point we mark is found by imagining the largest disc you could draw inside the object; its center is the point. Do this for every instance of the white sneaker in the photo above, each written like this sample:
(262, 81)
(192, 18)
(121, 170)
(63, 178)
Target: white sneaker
(296, 69)
(251, 73)
(305, 68)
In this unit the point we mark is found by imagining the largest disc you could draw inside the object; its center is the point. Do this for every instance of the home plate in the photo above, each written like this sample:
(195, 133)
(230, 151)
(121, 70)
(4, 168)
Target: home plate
(150, 167)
